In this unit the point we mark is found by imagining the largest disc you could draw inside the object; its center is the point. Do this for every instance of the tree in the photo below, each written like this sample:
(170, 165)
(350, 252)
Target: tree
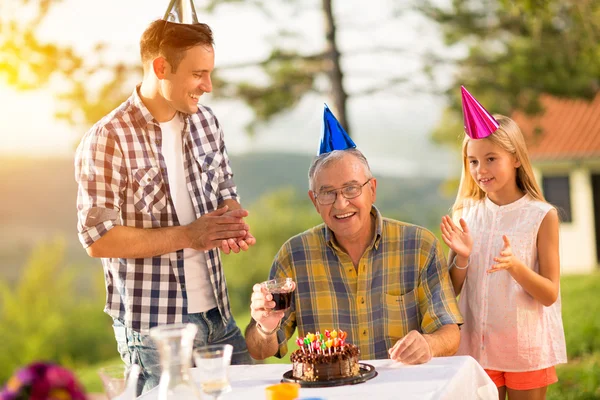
(292, 73)
(515, 51)
(44, 317)
(29, 63)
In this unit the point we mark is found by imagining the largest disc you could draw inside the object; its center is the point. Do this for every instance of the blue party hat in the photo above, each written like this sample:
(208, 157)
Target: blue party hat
(334, 137)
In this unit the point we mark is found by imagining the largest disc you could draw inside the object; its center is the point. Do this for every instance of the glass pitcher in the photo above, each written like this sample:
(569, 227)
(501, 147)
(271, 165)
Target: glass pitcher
(175, 343)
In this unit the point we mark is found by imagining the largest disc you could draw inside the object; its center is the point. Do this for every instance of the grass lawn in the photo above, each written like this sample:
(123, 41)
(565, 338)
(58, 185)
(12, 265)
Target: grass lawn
(579, 379)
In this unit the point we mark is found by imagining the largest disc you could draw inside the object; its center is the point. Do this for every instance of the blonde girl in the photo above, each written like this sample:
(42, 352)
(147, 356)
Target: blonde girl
(504, 264)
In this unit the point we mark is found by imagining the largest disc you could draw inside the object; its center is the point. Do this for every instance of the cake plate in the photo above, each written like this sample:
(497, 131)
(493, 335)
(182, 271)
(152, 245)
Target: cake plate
(365, 373)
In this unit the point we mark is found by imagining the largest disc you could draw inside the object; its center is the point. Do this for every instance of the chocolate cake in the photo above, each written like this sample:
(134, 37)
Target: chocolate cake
(332, 363)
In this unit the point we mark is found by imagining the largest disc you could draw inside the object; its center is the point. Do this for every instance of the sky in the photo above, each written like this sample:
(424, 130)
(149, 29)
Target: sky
(391, 129)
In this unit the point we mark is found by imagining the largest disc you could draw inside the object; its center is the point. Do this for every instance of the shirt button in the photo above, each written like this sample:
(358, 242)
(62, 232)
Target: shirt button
(179, 257)
(157, 141)
(364, 332)
(362, 300)
(183, 286)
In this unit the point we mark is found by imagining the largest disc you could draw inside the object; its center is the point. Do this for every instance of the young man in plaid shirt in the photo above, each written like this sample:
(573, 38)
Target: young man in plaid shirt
(384, 282)
(156, 201)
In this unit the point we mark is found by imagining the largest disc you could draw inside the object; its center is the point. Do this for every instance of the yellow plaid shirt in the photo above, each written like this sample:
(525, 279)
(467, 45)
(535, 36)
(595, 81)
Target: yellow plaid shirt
(401, 283)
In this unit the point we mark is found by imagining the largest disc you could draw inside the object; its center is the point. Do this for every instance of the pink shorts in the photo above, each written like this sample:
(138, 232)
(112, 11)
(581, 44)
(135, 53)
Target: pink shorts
(524, 380)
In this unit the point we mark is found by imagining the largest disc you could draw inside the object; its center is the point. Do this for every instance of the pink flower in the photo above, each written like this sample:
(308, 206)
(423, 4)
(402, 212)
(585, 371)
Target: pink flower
(43, 381)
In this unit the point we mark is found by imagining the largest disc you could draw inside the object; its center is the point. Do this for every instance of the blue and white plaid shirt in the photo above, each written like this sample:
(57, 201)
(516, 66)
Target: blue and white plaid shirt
(123, 180)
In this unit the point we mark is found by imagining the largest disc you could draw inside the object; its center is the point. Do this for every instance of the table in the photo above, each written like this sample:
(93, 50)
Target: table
(458, 377)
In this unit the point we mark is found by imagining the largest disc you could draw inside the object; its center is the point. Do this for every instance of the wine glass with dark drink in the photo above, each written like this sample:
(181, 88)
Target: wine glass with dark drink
(282, 290)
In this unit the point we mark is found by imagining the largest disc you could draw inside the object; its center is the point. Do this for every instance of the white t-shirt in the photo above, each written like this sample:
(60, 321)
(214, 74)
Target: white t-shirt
(197, 279)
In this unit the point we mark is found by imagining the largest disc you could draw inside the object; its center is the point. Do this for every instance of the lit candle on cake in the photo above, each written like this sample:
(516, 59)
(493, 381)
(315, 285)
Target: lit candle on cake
(300, 343)
(307, 343)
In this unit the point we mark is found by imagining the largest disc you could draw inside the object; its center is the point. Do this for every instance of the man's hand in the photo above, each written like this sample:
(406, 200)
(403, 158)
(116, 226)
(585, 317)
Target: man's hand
(411, 349)
(261, 308)
(234, 245)
(209, 231)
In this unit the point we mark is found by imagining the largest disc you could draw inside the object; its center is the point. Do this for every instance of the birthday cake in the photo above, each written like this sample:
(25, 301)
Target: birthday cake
(324, 357)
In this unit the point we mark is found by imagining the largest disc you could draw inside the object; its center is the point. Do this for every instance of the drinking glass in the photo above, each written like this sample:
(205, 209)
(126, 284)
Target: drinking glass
(175, 343)
(213, 364)
(282, 290)
(116, 378)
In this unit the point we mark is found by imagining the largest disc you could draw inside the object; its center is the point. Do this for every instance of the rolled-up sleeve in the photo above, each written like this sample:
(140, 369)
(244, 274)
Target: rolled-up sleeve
(437, 301)
(101, 178)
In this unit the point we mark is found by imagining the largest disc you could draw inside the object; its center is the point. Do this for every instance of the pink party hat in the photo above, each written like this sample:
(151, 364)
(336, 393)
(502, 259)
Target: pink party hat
(479, 123)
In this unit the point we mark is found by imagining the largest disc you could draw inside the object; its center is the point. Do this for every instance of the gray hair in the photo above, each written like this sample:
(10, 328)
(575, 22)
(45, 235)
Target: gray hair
(331, 157)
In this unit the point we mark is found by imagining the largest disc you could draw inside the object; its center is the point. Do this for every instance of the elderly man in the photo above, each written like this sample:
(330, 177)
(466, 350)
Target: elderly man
(384, 282)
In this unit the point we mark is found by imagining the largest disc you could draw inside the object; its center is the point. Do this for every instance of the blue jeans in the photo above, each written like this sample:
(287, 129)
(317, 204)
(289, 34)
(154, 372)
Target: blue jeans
(140, 349)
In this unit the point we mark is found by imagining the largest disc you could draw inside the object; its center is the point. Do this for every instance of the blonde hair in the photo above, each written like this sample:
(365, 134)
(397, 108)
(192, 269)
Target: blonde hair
(508, 136)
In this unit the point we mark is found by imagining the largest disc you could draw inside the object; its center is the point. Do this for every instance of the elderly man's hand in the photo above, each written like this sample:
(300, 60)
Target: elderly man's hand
(261, 308)
(411, 349)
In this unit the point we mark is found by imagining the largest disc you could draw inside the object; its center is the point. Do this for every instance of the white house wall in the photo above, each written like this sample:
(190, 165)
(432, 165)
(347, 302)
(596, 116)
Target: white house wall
(577, 238)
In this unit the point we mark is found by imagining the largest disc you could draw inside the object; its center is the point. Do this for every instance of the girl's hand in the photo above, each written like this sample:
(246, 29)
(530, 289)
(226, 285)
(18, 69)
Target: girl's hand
(459, 240)
(507, 260)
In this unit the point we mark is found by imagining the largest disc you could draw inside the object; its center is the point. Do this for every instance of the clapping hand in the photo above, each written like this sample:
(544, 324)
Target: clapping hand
(211, 229)
(237, 244)
(507, 260)
(459, 240)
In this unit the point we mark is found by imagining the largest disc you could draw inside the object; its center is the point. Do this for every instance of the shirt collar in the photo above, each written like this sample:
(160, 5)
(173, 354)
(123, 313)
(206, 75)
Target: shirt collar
(375, 240)
(507, 207)
(142, 115)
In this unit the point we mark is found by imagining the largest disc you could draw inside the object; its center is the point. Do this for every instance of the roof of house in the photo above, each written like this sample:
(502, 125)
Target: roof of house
(568, 129)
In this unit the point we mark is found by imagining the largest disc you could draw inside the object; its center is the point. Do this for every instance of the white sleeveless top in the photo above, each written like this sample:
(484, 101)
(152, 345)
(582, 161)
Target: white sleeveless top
(506, 329)
(199, 289)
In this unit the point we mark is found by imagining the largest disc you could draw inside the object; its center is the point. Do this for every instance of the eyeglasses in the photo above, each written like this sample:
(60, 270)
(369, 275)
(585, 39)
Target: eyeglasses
(349, 192)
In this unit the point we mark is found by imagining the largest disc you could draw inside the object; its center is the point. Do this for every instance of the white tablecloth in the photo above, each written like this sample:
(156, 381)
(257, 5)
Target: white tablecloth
(456, 377)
